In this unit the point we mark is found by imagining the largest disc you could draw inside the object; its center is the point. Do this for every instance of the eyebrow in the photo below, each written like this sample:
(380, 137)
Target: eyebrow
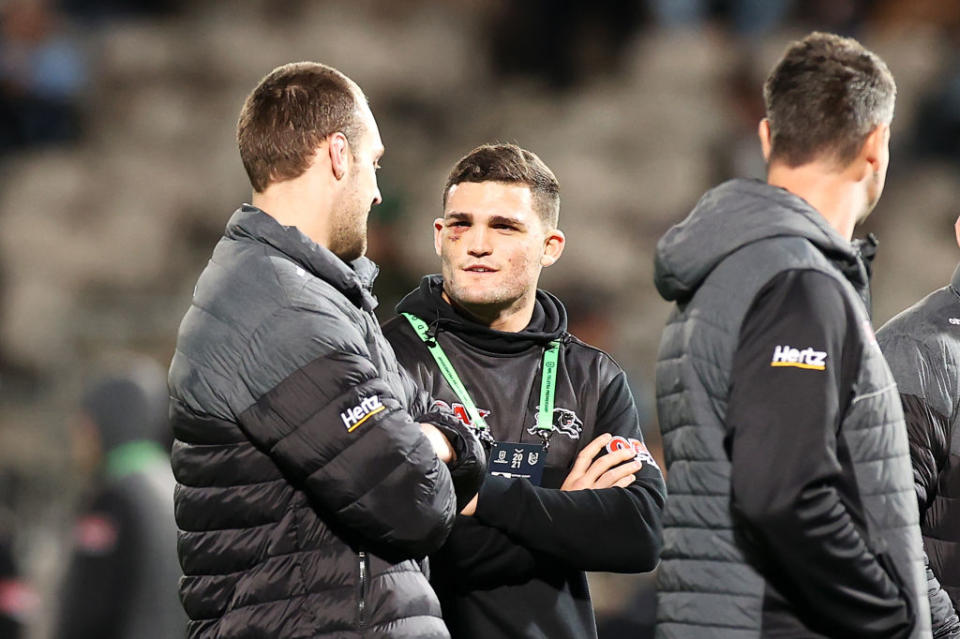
(494, 219)
(504, 219)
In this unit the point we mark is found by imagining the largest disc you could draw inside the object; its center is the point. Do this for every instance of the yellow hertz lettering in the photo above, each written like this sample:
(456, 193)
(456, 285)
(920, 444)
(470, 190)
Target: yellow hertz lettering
(807, 358)
(367, 408)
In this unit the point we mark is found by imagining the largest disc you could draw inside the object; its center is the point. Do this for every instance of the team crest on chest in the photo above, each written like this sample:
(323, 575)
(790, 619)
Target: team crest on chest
(564, 421)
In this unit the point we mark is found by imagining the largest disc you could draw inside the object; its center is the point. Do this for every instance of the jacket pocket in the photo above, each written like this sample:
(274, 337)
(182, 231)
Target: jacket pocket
(888, 565)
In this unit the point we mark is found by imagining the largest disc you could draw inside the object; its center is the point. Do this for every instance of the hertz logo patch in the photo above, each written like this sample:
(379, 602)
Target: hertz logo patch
(367, 408)
(807, 358)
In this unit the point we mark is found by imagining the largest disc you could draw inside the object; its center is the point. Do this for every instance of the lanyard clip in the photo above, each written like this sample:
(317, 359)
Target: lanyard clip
(545, 436)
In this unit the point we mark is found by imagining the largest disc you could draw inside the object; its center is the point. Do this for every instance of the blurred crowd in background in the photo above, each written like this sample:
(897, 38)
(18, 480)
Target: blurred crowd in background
(119, 169)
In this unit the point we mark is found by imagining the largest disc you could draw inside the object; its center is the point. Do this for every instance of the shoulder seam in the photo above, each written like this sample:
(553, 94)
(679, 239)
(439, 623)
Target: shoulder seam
(590, 347)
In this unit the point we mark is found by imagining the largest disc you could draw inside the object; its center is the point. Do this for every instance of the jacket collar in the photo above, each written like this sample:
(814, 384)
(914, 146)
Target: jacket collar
(354, 279)
(955, 280)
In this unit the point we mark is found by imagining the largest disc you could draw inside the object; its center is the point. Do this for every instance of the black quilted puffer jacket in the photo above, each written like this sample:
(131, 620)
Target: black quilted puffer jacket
(306, 492)
(922, 347)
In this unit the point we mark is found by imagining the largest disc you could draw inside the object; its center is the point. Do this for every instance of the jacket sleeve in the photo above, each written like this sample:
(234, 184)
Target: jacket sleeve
(611, 529)
(469, 466)
(783, 416)
(477, 556)
(335, 427)
(926, 392)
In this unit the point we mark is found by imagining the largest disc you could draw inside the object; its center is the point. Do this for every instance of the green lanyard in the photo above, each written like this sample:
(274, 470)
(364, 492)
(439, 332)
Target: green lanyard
(548, 385)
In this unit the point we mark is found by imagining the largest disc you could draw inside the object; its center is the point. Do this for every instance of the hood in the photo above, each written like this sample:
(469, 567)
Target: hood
(738, 213)
(549, 321)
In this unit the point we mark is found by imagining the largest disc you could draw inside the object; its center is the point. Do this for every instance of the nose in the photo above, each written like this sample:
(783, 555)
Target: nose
(478, 244)
(377, 199)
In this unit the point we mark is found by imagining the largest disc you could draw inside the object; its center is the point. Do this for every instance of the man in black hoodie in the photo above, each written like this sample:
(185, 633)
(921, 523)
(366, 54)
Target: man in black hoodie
(490, 345)
(792, 510)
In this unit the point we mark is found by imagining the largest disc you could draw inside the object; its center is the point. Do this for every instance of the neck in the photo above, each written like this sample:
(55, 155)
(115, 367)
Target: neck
(295, 203)
(833, 194)
(510, 319)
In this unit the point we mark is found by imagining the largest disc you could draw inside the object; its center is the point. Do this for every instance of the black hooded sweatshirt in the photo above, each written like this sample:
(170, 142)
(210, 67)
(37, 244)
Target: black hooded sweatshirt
(516, 568)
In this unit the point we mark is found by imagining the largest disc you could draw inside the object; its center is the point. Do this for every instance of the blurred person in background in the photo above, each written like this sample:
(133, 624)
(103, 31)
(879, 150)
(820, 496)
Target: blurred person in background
(735, 153)
(792, 509)
(307, 489)
(18, 600)
(121, 581)
(94, 11)
(936, 127)
(560, 42)
(42, 75)
(10, 581)
(571, 485)
(922, 347)
(752, 19)
(746, 17)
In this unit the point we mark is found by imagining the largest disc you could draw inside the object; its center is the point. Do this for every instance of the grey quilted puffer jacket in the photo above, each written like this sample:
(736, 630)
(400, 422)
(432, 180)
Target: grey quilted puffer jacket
(711, 583)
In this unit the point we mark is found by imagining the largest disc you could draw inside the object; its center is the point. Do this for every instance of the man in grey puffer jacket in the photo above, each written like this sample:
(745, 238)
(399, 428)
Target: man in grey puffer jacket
(791, 510)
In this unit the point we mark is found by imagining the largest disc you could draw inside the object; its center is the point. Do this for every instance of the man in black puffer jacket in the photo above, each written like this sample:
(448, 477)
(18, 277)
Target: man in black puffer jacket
(922, 347)
(307, 491)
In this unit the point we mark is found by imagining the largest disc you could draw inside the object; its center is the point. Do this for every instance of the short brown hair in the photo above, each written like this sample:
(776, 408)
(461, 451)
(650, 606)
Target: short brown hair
(824, 97)
(510, 164)
(286, 117)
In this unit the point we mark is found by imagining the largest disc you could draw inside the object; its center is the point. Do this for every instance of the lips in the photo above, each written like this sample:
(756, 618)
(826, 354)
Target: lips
(479, 268)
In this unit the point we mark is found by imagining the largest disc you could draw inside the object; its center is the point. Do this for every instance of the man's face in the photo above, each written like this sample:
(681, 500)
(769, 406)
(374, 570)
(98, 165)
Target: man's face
(348, 233)
(491, 244)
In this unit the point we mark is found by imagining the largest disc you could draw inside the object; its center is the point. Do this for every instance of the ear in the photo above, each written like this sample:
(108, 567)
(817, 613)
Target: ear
(553, 247)
(437, 231)
(339, 150)
(766, 142)
(874, 149)
(956, 228)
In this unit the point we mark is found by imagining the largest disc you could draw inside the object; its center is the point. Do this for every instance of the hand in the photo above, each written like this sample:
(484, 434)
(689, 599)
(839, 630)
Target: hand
(470, 509)
(441, 445)
(467, 459)
(612, 469)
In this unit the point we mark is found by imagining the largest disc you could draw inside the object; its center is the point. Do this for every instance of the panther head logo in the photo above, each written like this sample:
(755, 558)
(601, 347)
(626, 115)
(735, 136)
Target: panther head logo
(565, 421)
